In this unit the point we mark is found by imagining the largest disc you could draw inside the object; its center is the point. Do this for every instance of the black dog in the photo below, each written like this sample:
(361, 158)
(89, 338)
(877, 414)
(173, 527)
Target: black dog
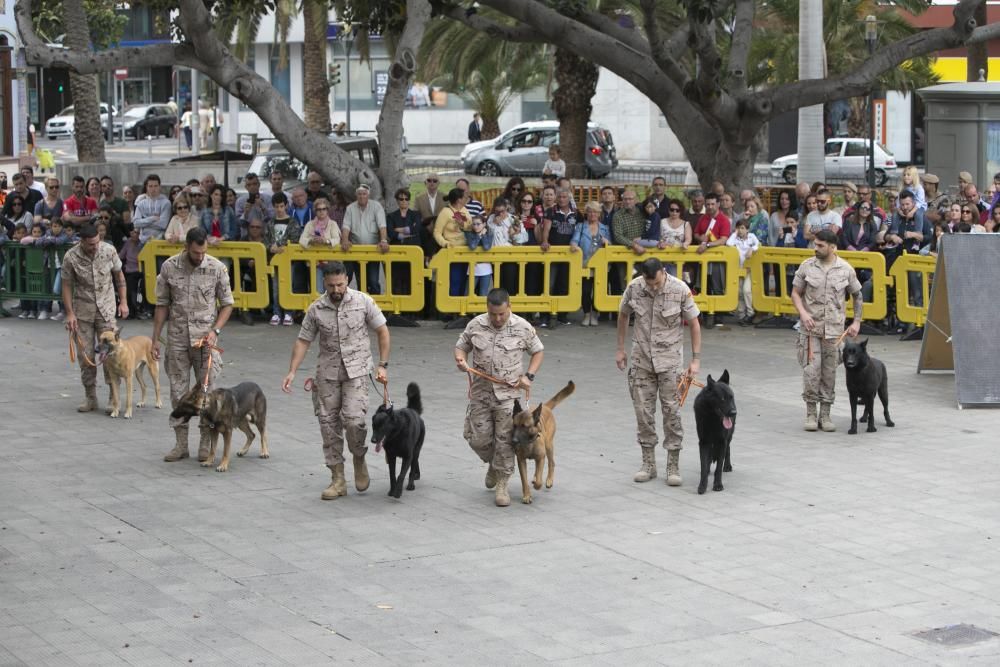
(401, 432)
(715, 417)
(866, 376)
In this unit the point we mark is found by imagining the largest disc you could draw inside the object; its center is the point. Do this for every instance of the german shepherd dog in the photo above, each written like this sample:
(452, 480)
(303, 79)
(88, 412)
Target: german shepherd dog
(715, 418)
(124, 360)
(222, 410)
(401, 433)
(533, 437)
(866, 376)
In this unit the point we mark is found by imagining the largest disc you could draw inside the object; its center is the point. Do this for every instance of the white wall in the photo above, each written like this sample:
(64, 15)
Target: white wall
(639, 131)
(899, 125)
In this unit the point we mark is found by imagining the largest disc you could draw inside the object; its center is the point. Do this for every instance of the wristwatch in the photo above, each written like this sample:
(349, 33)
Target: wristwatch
(530, 376)
(218, 332)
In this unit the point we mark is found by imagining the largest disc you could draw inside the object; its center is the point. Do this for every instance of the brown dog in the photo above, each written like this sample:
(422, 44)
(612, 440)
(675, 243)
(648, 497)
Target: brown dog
(123, 360)
(534, 437)
(223, 410)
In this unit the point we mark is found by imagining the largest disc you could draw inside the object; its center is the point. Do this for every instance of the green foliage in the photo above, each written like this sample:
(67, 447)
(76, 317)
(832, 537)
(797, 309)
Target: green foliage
(106, 25)
(776, 41)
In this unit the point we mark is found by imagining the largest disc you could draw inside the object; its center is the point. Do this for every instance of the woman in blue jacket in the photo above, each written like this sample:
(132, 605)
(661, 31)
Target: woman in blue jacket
(588, 236)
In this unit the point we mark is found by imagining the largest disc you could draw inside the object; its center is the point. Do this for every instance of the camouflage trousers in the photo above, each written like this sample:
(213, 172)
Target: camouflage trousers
(819, 374)
(341, 405)
(180, 361)
(89, 331)
(488, 425)
(644, 386)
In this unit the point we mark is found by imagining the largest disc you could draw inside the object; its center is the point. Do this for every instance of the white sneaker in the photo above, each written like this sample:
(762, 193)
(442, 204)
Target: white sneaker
(59, 317)
(288, 321)
(275, 321)
(797, 326)
(24, 315)
(31, 316)
(43, 315)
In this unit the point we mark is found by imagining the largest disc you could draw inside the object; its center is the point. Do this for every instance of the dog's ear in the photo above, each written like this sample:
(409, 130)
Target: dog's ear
(864, 345)
(725, 376)
(118, 333)
(710, 381)
(517, 407)
(537, 414)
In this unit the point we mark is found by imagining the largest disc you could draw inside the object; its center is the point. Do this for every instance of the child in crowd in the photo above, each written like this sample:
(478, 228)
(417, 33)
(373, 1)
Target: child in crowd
(58, 235)
(555, 165)
(287, 229)
(479, 236)
(129, 255)
(29, 308)
(506, 231)
(747, 244)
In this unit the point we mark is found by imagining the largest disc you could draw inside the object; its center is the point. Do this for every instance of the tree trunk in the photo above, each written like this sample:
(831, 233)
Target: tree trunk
(977, 56)
(577, 81)
(316, 85)
(811, 143)
(83, 88)
(491, 128)
(392, 165)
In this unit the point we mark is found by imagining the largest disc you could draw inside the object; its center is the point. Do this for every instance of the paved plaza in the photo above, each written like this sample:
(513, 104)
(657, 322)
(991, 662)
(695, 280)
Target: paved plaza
(823, 549)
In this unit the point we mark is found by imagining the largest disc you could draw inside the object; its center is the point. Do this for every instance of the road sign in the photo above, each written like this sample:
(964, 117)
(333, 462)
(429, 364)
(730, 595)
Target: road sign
(381, 86)
(121, 73)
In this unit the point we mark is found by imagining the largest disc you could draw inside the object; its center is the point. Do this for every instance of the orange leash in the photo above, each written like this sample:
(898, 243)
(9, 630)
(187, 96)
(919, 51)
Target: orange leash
(809, 348)
(83, 349)
(684, 386)
(208, 368)
(310, 384)
(495, 380)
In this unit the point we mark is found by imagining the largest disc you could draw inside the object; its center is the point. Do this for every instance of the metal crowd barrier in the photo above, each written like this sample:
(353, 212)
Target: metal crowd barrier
(231, 252)
(30, 271)
(683, 261)
(297, 268)
(784, 261)
(528, 260)
(902, 268)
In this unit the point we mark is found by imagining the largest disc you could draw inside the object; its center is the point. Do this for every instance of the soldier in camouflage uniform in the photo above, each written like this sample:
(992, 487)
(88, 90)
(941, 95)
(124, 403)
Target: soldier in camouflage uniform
(88, 270)
(498, 340)
(937, 203)
(341, 319)
(187, 290)
(818, 292)
(661, 304)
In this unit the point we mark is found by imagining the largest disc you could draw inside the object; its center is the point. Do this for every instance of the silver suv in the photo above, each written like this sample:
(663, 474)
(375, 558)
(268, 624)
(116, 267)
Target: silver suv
(523, 150)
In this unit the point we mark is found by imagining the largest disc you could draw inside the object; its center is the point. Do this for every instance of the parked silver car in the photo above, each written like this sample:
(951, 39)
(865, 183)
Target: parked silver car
(846, 158)
(524, 150)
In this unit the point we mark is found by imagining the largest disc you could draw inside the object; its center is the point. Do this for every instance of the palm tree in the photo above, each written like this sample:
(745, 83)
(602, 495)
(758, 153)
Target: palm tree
(577, 82)
(83, 87)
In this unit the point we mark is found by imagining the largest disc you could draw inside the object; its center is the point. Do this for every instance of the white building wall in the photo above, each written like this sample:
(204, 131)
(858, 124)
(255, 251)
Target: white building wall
(16, 90)
(639, 130)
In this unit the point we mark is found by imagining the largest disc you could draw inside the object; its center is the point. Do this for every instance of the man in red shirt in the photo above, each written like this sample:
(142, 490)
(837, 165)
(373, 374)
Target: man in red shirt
(712, 230)
(78, 208)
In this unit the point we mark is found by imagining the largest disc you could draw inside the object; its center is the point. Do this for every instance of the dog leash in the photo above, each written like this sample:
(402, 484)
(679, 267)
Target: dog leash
(203, 343)
(809, 349)
(83, 349)
(310, 384)
(684, 386)
(495, 380)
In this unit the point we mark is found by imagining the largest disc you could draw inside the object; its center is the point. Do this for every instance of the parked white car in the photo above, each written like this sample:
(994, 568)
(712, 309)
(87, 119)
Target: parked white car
(63, 123)
(846, 159)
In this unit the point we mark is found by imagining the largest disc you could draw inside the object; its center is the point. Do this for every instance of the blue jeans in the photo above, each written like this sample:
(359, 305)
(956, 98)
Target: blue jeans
(457, 277)
(484, 284)
(275, 308)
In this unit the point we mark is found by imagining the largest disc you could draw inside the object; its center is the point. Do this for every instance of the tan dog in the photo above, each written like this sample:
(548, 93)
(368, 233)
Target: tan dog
(123, 360)
(534, 437)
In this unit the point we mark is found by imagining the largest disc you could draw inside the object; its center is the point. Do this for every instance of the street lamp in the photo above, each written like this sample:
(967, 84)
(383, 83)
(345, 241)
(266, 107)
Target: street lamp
(871, 38)
(348, 37)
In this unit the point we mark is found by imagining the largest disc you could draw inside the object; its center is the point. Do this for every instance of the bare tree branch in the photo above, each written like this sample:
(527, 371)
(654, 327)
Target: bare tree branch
(984, 33)
(518, 33)
(740, 48)
(787, 97)
(659, 48)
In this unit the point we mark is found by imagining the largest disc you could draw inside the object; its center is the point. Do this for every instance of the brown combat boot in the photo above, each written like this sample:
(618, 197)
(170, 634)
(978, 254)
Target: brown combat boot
(491, 478)
(204, 445)
(648, 469)
(90, 401)
(811, 423)
(180, 450)
(361, 479)
(338, 485)
(825, 422)
(502, 496)
(674, 467)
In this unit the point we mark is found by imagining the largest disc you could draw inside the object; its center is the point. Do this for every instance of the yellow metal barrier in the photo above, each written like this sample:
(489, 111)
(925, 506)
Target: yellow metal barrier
(301, 265)
(900, 272)
(154, 252)
(786, 260)
(682, 260)
(522, 257)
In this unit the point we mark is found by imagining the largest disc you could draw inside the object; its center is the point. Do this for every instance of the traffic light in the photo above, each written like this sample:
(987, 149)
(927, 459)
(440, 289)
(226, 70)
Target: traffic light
(60, 87)
(333, 73)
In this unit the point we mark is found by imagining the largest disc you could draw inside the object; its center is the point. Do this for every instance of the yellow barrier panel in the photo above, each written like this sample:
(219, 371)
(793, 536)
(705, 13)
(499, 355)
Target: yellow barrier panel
(901, 270)
(606, 259)
(297, 268)
(235, 254)
(785, 260)
(527, 260)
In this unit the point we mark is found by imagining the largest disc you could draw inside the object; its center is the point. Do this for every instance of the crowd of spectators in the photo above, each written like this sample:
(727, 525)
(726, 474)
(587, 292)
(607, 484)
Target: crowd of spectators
(35, 213)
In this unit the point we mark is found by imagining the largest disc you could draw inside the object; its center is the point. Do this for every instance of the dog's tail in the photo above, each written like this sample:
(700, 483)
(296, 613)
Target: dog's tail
(561, 396)
(413, 401)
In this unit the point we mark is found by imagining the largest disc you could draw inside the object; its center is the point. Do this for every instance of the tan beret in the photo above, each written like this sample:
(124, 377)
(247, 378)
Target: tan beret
(930, 178)
(850, 186)
(965, 176)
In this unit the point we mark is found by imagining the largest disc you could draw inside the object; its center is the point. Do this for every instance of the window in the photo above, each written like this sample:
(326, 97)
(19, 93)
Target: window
(856, 148)
(833, 148)
(280, 76)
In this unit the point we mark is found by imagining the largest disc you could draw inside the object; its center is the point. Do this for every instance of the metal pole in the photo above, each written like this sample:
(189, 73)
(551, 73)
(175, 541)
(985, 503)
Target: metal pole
(111, 105)
(871, 37)
(348, 43)
(195, 120)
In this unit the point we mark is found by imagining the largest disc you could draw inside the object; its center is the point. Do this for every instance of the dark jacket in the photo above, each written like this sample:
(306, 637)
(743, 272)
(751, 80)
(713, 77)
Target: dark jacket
(849, 235)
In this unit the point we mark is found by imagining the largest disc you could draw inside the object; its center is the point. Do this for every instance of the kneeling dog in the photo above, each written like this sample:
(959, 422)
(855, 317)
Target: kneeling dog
(534, 437)
(866, 376)
(124, 360)
(401, 433)
(222, 410)
(715, 417)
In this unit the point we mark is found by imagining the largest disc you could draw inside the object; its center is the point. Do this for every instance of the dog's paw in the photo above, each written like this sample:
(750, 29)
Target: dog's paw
(240, 453)
(140, 404)
(871, 427)
(207, 464)
(526, 500)
(113, 414)
(222, 468)
(398, 493)
(702, 487)
(889, 423)
(852, 431)
(718, 487)
(411, 486)
(128, 415)
(264, 456)
(537, 485)
(727, 468)
(391, 494)
(159, 405)
(863, 419)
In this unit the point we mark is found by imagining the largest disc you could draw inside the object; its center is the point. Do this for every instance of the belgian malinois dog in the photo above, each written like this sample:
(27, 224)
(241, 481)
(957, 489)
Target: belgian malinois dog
(222, 410)
(533, 437)
(124, 360)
